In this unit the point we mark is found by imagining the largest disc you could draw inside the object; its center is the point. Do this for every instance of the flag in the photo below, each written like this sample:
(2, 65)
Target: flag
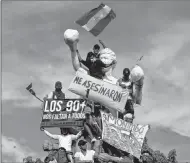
(32, 92)
(96, 19)
(29, 87)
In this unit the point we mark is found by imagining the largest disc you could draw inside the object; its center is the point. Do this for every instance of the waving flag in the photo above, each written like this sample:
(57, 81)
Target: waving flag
(96, 19)
(29, 87)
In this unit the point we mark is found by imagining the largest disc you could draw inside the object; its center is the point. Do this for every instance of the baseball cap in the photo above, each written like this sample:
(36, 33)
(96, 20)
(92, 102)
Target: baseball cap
(81, 142)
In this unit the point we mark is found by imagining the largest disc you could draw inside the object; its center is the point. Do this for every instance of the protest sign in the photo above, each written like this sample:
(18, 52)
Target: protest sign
(123, 135)
(109, 95)
(63, 113)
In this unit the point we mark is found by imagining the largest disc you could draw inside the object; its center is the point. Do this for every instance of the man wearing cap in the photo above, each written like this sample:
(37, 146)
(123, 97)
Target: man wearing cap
(91, 56)
(84, 155)
(38, 160)
(57, 94)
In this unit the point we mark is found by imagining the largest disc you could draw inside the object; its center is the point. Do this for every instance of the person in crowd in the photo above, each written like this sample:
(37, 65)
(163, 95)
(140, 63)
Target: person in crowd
(91, 126)
(65, 140)
(84, 155)
(38, 160)
(92, 130)
(57, 93)
(129, 117)
(47, 160)
(127, 85)
(29, 159)
(24, 160)
(52, 158)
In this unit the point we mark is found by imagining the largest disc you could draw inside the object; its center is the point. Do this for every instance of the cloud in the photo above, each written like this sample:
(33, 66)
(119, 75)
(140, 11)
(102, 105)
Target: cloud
(34, 51)
(12, 150)
(166, 86)
(167, 43)
(175, 118)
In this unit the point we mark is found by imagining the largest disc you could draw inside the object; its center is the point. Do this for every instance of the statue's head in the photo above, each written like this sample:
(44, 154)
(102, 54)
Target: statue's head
(108, 59)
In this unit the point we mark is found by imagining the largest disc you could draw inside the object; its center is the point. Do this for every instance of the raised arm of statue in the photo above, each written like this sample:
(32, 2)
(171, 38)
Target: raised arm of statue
(71, 38)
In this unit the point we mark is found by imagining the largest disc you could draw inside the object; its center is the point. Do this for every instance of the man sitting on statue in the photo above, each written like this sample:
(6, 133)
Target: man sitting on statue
(127, 85)
(65, 140)
(99, 63)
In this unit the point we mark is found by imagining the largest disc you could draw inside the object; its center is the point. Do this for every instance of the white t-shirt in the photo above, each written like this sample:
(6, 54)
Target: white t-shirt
(65, 141)
(88, 157)
(54, 161)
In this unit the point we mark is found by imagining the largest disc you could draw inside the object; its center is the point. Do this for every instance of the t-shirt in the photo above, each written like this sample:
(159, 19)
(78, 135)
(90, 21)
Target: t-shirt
(88, 157)
(65, 141)
(56, 95)
(128, 87)
(54, 161)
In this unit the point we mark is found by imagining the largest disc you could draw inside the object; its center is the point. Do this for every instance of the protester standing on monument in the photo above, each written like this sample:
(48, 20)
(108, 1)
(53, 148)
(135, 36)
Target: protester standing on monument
(127, 85)
(57, 93)
(65, 140)
(91, 126)
(91, 56)
(84, 154)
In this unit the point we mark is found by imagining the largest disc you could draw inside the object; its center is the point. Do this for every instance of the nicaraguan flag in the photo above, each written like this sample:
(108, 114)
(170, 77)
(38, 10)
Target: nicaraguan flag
(97, 19)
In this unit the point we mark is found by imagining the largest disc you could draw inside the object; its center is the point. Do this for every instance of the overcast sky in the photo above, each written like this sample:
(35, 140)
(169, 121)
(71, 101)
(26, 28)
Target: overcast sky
(34, 51)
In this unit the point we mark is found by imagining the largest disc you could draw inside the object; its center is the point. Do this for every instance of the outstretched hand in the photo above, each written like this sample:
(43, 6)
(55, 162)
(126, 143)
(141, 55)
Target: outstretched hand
(101, 42)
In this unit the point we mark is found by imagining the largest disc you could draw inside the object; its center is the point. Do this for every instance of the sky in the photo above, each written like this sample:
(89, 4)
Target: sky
(33, 50)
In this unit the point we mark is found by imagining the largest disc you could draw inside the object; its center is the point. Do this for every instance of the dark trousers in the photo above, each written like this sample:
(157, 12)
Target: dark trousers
(128, 109)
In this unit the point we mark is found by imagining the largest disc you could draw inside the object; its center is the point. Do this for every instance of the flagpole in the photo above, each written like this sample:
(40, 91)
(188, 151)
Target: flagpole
(39, 99)
(137, 61)
(29, 88)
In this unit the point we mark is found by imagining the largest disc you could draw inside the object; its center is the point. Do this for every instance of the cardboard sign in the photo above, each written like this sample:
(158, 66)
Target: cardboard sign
(109, 95)
(65, 113)
(123, 135)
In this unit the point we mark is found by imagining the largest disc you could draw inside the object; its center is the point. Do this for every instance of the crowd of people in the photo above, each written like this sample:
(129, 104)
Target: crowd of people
(92, 124)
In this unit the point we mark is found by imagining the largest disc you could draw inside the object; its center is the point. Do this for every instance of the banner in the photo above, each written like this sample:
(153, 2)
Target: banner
(63, 113)
(123, 135)
(109, 95)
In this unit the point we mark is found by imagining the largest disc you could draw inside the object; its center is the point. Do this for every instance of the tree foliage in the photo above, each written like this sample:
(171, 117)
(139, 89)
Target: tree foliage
(151, 156)
(172, 156)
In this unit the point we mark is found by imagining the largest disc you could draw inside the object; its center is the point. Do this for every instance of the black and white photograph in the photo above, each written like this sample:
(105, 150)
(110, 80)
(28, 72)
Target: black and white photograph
(95, 81)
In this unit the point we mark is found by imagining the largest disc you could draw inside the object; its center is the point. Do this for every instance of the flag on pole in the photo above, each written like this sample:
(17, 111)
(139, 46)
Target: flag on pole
(96, 19)
(29, 87)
